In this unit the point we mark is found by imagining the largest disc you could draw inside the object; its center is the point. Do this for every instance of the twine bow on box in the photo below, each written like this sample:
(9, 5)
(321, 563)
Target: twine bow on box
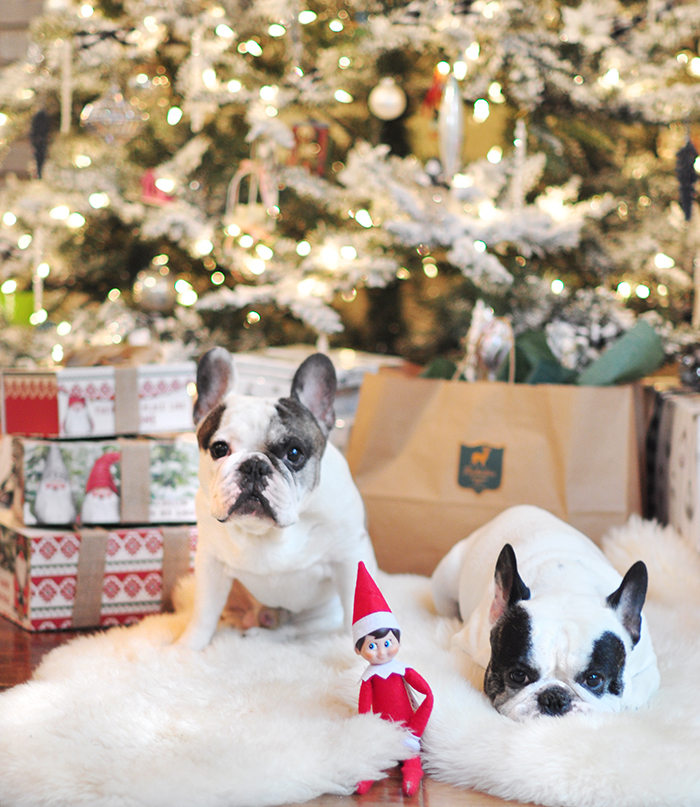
(256, 216)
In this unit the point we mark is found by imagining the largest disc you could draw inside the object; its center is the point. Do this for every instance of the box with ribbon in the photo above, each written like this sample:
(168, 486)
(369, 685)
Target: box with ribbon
(52, 579)
(673, 448)
(118, 481)
(98, 401)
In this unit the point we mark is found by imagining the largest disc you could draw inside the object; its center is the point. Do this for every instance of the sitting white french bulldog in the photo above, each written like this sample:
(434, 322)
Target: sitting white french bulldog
(277, 508)
(558, 631)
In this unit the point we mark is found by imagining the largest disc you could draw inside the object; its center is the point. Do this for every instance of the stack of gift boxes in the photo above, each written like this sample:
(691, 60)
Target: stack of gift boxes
(98, 474)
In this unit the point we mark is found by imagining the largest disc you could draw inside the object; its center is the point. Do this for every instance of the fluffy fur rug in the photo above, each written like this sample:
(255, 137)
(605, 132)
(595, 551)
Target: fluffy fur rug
(125, 719)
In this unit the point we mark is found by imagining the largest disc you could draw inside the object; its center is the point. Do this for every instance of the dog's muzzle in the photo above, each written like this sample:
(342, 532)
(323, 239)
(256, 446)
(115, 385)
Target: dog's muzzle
(253, 477)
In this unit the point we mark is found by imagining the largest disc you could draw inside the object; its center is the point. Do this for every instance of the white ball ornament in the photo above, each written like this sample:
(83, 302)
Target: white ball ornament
(387, 101)
(154, 292)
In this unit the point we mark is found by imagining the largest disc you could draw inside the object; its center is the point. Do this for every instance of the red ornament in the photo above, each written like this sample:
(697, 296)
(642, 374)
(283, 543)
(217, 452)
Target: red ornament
(150, 193)
(310, 146)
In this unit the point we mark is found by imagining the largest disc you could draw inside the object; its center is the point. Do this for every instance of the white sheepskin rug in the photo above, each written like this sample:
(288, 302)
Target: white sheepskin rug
(126, 718)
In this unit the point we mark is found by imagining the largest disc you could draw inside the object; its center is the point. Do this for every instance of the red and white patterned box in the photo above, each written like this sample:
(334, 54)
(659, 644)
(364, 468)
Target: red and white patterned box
(98, 401)
(61, 579)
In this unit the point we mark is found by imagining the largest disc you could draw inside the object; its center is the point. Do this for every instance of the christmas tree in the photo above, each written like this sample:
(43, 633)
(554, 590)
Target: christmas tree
(258, 172)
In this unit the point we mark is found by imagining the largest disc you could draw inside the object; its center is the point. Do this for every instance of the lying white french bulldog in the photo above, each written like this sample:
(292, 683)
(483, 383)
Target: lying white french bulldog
(277, 508)
(558, 631)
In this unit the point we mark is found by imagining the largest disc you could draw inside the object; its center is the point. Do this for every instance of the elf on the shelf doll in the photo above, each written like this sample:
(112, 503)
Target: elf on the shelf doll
(386, 683)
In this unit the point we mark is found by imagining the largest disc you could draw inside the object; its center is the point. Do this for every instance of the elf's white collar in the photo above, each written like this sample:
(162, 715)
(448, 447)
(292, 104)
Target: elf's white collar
(384, 670)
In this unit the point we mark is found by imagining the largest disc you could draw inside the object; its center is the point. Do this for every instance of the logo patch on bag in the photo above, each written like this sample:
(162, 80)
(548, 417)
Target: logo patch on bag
(480, 467)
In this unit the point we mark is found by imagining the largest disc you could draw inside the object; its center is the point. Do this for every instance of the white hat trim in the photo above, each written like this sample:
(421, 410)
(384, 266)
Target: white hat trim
(371, 622)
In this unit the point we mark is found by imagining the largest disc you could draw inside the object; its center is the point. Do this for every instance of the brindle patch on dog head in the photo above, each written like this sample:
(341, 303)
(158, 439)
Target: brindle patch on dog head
(295, 440)
(209, 426)
(296, 418)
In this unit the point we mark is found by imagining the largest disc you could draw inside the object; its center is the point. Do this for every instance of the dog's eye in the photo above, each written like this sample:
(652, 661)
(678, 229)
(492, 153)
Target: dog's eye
(295, 456)
(594, 681)
(518, 676)
(219, 449)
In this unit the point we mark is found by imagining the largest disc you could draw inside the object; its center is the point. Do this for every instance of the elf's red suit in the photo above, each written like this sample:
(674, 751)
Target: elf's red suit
(384, 692)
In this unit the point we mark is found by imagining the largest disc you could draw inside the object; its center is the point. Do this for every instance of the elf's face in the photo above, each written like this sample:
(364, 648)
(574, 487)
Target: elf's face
(379, 651)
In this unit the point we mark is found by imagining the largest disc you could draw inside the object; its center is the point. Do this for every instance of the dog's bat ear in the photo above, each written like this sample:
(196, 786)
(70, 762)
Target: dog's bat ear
(215, 377)
(315, 385)
(509, 586)
(628, 600)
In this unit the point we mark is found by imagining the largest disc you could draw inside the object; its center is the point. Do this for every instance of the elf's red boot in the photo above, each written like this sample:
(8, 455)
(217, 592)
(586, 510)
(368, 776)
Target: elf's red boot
(412, 773)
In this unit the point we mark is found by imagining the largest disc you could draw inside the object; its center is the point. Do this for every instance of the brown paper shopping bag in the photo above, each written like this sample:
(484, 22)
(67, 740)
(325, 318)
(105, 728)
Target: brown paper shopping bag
(436, 459)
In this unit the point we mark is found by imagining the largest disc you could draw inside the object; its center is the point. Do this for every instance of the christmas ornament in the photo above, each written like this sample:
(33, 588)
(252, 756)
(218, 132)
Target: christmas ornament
(387, 101)
(310, 146)
(431, 101)
(489, 340)
(151, 194)
(39, 138)
(495, 344)
(154, 291)
(451, 127)
(687, 176)
(257, 218)
(112, 117)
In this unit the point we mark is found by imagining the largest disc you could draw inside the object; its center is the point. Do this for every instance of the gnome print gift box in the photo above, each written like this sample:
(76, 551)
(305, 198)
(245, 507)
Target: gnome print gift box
(120, 481)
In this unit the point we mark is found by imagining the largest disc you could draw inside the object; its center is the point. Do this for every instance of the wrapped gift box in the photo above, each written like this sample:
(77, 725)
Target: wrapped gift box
(98, 401)
(120, 481)
(270, 372)
(54, 579)
(675, 465)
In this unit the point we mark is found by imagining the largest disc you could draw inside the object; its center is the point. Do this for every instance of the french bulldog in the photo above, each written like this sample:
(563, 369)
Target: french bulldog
(548, 621)
(277, 508)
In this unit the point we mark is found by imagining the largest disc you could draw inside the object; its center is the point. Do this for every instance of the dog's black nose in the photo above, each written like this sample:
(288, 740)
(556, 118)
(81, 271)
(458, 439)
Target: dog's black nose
(554, 701)
(255, 468)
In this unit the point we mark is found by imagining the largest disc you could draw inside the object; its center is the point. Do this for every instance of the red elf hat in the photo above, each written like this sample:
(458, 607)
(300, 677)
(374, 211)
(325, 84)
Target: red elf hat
(370, 611)
(100, 475)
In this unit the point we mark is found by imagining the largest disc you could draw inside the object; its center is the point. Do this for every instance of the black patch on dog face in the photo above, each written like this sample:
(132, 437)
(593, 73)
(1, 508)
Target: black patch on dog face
(209, 427)
(603, 675)
(298, 422)
(510, 668)
(294, 439)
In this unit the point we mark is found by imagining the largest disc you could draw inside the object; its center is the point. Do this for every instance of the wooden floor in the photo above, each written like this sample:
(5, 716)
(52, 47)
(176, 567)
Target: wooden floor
(21, 652)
